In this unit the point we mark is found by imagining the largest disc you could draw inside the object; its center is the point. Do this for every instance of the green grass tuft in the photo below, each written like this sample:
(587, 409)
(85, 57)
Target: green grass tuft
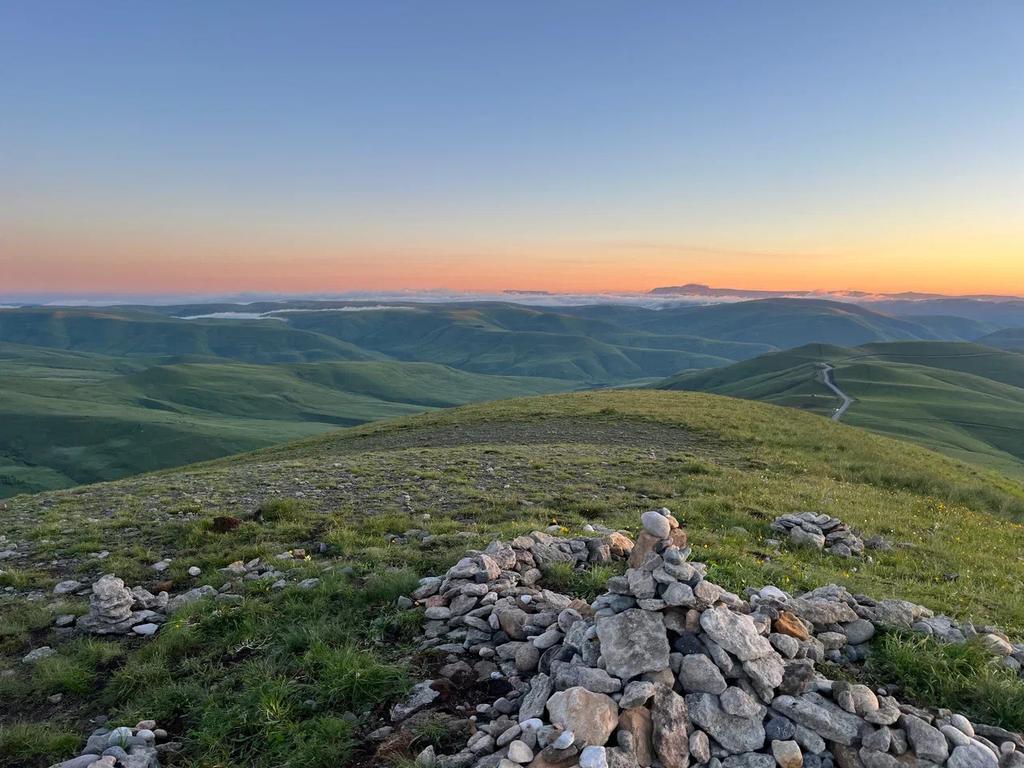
(960, 676)
(355, 679)
(76, 667)
(584, 583)
(23, 743)
(278, 510)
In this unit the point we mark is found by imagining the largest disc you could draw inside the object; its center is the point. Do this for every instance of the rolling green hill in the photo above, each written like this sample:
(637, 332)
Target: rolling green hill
(149, 334)
(1008, 338)
(524, 341)
(307, 671)
(99, 393)
(966, 400)
(69, 418)
(785, 323)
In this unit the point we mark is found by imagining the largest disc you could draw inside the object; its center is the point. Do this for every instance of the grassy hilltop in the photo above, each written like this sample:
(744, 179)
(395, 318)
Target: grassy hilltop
(232, 679)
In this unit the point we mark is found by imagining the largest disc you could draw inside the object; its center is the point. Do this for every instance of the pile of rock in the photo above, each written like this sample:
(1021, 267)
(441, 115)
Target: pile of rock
(112, 609)
(123, 747)
(116, 609)
(809, 529)
(667, 668)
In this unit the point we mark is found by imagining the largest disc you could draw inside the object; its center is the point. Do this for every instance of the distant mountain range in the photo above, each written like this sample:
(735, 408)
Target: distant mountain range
(701, 290)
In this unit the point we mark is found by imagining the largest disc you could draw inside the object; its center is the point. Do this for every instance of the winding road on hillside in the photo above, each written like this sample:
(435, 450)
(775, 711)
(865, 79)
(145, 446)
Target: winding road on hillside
(826, 373)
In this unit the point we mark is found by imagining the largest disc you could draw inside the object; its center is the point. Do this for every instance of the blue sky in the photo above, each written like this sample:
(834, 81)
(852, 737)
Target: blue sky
(490, 135)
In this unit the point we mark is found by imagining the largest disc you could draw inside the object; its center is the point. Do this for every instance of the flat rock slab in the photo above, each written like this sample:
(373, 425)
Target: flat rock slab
(633, 642)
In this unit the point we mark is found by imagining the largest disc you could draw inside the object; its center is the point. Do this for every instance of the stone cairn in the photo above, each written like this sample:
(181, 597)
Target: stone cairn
(808, 529)
(668, 669)
(114, 609)
(111, 608)
(138, 747)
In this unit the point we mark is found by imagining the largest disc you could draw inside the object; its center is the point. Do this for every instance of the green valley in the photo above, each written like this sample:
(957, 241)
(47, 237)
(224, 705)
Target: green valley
(97, 393)
(73, 417)
(966, 400)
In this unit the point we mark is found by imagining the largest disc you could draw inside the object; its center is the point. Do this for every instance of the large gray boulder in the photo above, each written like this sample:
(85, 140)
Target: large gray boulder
(822, 716)
(633, 642)
(926, 740)
(536, 699)
(699, 674)
(735, 734)
(735, 632)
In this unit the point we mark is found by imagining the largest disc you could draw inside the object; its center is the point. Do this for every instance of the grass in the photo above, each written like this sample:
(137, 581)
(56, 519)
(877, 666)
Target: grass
(962, 677)
(584, 583)
(76, 668)
(295, 674)
(18, 620)
(22, 743)
(279, 680)
(962, 399)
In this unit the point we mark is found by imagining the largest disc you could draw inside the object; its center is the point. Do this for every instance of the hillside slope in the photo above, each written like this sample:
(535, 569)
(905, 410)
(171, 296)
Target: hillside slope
(964, 399)
(465, 476)
(1008, 338)
(116, 332)
(68, 418)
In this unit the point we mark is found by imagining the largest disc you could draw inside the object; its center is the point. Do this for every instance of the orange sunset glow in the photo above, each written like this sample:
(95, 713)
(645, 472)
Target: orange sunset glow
(654, 151)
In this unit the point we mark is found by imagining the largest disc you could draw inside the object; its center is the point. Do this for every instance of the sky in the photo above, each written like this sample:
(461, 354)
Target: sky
(242, 145)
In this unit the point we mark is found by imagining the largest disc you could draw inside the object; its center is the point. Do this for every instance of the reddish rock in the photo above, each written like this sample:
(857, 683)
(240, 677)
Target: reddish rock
(637, 723)
(789, 624)
(619, 545)
(670, 720)
(645, 544)
(679, 537)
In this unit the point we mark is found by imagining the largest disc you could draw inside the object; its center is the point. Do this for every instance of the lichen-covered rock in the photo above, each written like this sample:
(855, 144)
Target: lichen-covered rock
(735, 632)
(735, 734)
(633, 642)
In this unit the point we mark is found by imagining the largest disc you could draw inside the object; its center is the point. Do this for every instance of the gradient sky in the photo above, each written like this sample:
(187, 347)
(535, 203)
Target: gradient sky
(307, 147)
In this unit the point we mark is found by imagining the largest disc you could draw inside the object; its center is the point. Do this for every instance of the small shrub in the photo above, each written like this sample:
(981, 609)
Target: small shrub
(276, 510)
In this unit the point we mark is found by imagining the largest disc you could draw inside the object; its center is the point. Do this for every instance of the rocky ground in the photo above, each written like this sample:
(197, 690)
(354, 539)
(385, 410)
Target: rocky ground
(668, 669)
(207, 597)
